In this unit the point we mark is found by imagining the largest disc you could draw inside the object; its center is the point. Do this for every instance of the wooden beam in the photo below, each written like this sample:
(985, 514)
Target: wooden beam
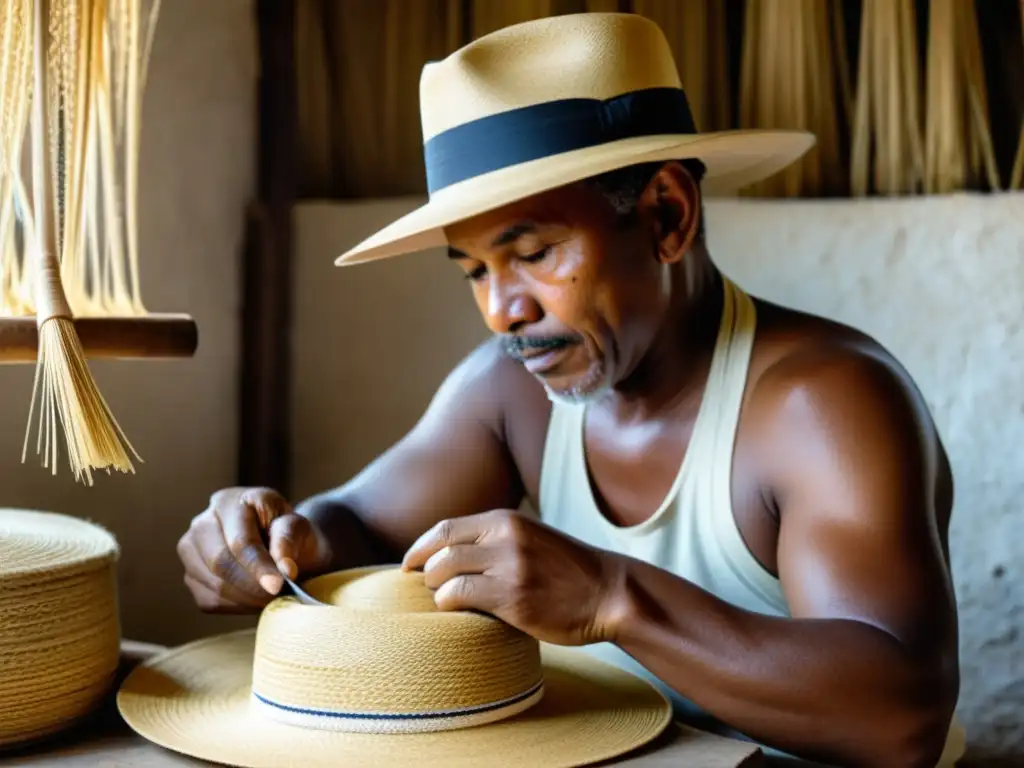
(265, 385)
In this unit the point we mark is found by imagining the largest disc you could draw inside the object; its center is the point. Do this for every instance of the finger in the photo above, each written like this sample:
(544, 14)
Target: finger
(291, 544)
(447, 533)
(267, 504)
(195, 565)
(196, 571)
(470, 593)
(457, 560)
(210, 602)
(220, 562)
(243, 534)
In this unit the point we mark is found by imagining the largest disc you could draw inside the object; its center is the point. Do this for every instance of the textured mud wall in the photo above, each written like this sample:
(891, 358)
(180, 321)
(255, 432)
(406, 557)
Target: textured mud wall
(940, 281)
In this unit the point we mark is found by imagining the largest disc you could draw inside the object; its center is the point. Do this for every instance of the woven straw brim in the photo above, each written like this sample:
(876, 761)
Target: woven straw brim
(196, 700)
(734, 159)
(59, 627)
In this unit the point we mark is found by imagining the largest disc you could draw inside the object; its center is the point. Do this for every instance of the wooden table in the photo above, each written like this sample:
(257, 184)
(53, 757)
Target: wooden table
(105, 741)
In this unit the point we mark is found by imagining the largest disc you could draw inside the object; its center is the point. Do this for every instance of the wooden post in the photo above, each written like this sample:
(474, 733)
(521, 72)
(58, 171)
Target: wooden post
(265, 386)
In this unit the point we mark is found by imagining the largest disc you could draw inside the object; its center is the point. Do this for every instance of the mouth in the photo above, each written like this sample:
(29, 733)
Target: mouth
(541, 361)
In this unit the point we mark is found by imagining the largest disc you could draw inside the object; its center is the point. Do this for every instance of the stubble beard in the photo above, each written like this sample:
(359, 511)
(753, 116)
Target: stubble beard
(594, 385)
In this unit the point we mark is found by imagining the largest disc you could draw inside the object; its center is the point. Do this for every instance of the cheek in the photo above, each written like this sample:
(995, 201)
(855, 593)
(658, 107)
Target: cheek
(573, 290)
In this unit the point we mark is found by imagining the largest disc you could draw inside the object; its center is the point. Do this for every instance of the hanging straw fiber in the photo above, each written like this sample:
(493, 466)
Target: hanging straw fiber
(794, 75)
(72, 74)
(1017, 174)
(59, 628)
(958, 144)
(887, 153)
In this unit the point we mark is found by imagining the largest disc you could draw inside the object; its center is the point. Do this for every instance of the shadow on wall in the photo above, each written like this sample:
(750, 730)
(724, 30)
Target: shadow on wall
(937, 280)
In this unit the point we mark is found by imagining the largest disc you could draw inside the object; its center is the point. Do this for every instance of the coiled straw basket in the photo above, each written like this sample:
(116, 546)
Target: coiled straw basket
(59, 627)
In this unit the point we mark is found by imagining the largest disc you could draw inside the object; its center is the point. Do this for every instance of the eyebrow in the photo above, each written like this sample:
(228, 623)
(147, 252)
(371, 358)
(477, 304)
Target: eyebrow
(513, 233)
(508, 236)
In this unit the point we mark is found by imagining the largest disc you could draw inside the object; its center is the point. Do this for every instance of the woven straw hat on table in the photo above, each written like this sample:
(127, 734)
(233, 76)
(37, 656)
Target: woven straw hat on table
(381, 677)
(59, 628)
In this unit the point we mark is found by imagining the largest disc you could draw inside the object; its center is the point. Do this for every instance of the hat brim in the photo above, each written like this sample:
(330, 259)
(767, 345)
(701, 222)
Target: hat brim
(195, 700)
(734, 159)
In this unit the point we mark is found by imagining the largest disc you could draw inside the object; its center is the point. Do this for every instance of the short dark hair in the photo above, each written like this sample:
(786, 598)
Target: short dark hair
(623, 187)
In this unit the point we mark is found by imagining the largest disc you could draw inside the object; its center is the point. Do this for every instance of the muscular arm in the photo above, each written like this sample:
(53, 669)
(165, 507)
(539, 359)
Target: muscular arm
(453, 462)
(865, 672)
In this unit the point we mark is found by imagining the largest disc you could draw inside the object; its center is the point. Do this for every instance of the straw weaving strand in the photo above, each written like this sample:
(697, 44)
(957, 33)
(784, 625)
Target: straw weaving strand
(71, 248)
(887, 154)
(958, 143)
(15, 92)
(793, 75)
(696, 33)
(1017, 174)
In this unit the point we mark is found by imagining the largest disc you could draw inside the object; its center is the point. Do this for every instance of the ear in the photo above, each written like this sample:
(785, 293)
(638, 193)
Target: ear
(670, 205)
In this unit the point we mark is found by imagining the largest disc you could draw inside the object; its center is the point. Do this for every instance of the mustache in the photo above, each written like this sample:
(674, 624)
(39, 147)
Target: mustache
(516, 346)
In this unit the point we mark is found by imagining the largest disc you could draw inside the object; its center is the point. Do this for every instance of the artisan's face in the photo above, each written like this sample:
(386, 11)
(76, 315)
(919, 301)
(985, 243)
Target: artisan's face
(575, 295)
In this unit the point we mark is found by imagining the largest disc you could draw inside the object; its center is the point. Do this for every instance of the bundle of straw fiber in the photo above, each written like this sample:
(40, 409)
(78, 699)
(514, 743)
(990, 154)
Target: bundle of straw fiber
(1017, 174)
(696, 33)
(958, 145)
(72, 74)
(59, 627)
(794, 74)
(887, 152)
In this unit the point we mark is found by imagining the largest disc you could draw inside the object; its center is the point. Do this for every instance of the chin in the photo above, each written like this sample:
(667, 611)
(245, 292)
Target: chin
(589, 386)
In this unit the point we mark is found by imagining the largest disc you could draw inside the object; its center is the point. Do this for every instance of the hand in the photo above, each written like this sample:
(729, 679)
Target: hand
(235, 551)
(552, 587)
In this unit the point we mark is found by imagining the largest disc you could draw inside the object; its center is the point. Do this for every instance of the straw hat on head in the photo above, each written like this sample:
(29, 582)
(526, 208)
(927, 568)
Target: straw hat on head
(59, 626)
(541, 104)
(379, 677)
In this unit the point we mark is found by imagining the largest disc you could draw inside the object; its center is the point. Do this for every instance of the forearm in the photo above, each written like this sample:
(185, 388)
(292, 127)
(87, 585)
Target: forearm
(838, 691)
(352, 542)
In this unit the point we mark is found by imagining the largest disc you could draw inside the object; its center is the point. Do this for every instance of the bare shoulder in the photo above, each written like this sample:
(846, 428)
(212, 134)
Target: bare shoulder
(831, 402)
(490, 386)
(851, 460)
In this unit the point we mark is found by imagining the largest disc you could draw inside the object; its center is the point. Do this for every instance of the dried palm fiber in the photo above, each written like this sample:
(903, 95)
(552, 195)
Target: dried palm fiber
(73, 74)
(887, 151)
(958, 144)
(59, 626)
(794, 75)
(695, 30)
(1017, 174)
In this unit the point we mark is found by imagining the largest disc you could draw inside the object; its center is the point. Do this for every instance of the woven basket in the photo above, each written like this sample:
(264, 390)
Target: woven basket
(59, 627)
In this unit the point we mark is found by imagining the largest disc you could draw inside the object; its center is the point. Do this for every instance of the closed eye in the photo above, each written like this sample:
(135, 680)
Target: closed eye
(534, 257)
(477, 273)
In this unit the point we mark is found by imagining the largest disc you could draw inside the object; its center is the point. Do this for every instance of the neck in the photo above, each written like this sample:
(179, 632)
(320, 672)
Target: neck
(670, 378)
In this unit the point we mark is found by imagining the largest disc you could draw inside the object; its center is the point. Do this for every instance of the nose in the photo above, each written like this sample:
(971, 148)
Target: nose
(509, 306)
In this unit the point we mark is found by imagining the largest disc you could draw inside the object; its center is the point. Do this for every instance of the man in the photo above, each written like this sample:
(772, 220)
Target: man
(746, 503)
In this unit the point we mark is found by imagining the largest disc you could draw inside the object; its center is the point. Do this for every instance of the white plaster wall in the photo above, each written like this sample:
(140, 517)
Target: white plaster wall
(196, 175)
(938, 280)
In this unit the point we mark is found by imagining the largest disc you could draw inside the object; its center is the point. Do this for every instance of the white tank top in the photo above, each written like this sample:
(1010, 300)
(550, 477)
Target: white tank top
(693, 533)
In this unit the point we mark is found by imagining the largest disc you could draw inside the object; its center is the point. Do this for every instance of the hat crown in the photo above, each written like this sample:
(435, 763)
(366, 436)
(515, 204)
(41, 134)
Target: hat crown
(573, 56)
(391, 590)
(380, 657)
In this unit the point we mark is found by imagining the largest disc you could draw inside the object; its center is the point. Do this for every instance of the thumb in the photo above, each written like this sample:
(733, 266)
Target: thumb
(296, 546)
